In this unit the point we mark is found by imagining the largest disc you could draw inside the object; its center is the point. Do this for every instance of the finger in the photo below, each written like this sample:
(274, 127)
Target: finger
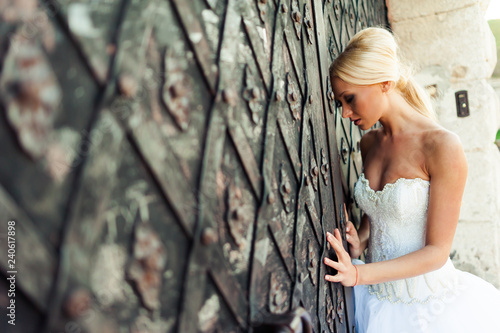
(350, 240)
(333, 264)
(338, 235)
(345, 213)
(333, 240)
(349, 227)
(337, 247)
(333, 278)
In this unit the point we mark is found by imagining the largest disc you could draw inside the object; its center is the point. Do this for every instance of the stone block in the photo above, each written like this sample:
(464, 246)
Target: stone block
(399, 10)
(476, 250)
(484, 4)
(491, 53)
(459, 40)
(435, 79)
(495, 83)
(480, 201)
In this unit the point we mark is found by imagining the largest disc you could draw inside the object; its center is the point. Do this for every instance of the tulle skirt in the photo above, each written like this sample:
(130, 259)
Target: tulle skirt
(473, 305)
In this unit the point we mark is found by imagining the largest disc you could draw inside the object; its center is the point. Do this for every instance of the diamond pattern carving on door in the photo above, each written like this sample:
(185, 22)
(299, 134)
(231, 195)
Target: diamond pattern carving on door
(191, 164)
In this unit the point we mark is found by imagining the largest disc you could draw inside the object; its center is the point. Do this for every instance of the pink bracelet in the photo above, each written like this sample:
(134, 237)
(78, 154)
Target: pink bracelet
(356, 282)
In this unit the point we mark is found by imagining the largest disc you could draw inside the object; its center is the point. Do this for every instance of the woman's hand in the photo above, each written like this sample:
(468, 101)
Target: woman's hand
(352, 238)
(346, 272)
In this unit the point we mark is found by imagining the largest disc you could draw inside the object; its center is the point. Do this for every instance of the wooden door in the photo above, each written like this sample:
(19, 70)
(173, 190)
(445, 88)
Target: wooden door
(173, 166)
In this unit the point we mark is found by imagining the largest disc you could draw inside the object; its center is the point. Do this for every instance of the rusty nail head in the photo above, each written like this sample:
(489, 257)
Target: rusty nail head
(294, 96)
(287, 188)
(237, 214)
(255, 117)
(255, 92)
(311, 99)
(77, 303)
(309, 23)
(127, 85)
(228, 96)
(175, 90)
(208, 236)
(225, 96)
(315, 171)
(270, 198)
(110, 49)
(297, 16)
(237, 193)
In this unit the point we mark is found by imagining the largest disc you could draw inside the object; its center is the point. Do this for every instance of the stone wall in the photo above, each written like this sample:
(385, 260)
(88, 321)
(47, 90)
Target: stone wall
(453, 49)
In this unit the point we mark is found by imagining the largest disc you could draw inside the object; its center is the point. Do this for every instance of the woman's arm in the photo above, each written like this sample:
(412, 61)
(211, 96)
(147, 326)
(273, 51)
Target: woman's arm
(447, 167)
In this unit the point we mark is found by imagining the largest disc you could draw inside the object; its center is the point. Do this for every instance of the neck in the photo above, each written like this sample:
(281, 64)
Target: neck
(397, 115)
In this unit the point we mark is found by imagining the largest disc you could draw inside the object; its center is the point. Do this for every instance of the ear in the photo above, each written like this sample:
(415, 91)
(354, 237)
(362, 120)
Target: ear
(386, 86)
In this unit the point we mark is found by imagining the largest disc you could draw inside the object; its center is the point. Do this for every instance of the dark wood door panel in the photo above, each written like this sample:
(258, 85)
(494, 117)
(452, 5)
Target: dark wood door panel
(186, 167)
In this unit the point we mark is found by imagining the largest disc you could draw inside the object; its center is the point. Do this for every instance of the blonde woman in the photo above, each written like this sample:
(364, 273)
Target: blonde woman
(414, 174)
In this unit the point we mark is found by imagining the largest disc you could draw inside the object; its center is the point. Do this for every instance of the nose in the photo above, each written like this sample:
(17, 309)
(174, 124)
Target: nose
(346, 112)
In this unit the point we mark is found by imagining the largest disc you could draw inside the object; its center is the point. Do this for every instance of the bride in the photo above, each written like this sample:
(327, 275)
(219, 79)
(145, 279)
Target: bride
(411, 191)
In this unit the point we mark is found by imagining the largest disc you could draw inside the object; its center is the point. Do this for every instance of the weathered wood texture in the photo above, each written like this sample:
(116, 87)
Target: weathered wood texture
(173, 166)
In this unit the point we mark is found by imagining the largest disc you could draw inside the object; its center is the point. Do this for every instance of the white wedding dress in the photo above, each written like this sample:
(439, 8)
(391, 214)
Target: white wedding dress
(442, 301)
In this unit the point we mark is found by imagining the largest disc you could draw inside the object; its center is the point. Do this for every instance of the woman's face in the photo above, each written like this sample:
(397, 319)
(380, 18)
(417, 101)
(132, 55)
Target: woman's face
(363, 105)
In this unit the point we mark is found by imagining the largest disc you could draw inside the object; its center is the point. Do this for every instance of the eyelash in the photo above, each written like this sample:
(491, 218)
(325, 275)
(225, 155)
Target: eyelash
(349, 100)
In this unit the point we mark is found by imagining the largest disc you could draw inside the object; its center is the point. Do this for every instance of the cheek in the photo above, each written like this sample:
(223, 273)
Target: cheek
(372, 106)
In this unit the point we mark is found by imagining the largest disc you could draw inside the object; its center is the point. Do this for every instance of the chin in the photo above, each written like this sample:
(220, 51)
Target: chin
(363, 127)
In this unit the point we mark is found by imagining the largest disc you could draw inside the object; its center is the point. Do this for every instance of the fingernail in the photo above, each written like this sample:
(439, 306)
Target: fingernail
(346, 236)
(326, 278)
(347, 229)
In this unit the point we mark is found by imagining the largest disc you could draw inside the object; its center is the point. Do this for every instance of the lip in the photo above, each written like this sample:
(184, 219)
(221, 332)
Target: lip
(356, 122)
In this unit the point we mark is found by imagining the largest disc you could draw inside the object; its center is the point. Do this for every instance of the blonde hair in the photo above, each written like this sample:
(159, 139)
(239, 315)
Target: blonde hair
(371, 57)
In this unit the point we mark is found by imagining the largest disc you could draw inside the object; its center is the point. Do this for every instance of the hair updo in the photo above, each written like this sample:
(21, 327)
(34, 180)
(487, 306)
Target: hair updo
(371, 57)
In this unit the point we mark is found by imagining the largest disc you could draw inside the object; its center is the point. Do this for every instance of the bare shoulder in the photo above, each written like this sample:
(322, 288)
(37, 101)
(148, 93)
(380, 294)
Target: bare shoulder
(368, 140)
(444, 151)
(438, 140)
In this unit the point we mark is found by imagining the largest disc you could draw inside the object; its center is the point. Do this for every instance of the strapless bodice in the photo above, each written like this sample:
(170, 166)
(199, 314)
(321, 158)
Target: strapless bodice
(398, 219)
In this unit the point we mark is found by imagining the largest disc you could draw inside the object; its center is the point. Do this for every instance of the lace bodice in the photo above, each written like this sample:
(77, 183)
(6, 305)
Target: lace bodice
(398, 218)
